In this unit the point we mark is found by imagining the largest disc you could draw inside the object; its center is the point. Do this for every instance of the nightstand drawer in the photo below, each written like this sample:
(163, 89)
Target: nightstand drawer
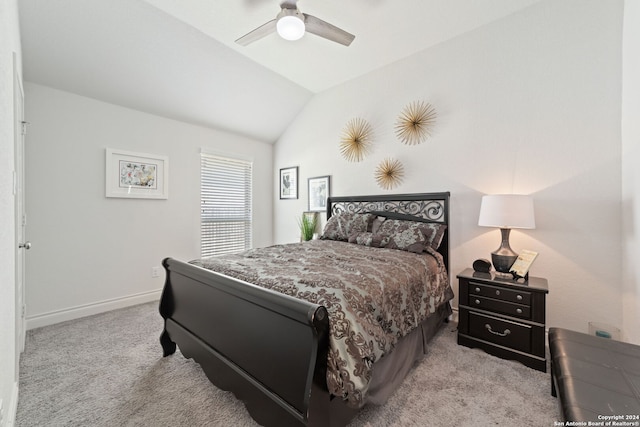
(495, 292)
(498, 306)
(498, 331)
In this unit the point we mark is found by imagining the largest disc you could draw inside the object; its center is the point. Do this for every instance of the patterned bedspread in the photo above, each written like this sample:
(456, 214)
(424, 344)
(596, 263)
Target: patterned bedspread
(374, 296)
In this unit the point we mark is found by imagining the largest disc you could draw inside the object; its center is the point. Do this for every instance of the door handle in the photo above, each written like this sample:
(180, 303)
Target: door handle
(25, 245)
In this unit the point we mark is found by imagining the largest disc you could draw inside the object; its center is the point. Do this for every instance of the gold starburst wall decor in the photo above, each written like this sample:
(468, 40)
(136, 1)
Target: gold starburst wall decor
(415, 123)
(355, 142)
(389, 173)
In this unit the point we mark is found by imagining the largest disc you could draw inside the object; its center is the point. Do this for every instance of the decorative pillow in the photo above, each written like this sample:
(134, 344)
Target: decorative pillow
(376, 240)
(437, 234)
(342, 225)
(376, 223)
(409, 236)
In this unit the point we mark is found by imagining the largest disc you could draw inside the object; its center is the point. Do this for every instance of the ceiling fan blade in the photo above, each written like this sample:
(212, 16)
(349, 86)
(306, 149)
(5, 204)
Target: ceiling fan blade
(260, 32)
(328, 31)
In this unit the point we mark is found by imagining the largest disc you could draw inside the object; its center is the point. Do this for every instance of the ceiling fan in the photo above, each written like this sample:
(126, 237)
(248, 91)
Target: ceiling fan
(291, 24)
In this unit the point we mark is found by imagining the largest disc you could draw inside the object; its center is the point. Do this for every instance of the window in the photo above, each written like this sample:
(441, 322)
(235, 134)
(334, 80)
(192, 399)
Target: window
(225, 201)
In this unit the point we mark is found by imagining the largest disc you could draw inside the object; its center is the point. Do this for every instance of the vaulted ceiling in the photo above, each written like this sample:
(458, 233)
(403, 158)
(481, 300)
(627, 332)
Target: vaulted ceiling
(179, 59)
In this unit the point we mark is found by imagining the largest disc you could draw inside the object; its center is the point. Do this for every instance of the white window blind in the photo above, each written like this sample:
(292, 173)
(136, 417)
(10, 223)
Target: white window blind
(225, 200)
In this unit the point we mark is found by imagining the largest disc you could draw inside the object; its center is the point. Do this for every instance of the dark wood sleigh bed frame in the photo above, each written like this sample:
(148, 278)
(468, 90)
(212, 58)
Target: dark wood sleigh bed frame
(270, 349)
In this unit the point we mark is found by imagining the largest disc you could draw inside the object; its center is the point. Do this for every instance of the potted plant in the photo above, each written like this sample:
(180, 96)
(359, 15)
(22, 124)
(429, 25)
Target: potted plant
(308, 224)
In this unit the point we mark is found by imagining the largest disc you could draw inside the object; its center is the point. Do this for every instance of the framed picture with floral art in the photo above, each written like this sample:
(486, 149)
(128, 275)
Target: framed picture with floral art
(136, 175)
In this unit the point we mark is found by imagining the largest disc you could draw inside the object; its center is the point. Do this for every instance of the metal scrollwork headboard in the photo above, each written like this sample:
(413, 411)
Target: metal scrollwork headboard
(425, 207)
(431, 210)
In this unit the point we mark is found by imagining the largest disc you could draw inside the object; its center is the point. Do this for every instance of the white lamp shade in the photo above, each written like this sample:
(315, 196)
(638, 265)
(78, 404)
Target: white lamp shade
(507, 211)
(290, 27)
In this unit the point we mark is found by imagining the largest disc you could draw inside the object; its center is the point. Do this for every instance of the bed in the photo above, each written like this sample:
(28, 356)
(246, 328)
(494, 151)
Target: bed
(268, 326)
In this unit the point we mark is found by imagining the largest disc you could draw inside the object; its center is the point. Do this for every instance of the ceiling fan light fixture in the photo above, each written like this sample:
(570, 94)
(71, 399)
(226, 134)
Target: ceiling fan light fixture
(290, 25)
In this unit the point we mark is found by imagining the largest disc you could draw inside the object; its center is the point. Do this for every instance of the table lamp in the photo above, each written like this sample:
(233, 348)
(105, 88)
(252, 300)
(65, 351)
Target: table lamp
(506, 211)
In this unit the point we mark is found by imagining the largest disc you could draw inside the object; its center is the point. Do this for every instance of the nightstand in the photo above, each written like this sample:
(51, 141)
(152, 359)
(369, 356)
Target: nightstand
(503, 317)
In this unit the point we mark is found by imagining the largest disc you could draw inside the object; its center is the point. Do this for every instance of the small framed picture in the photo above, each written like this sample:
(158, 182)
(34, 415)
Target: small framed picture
(319, 190)
(521, 266)
(136, 175)
(289, 183)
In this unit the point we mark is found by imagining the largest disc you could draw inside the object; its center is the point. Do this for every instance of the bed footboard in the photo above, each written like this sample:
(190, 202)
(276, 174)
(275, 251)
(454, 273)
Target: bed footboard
(269, 349)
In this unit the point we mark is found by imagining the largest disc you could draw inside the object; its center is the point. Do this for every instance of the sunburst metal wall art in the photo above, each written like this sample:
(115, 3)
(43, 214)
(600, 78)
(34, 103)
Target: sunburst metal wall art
(415, 123)
(389, 173)
(355, 142)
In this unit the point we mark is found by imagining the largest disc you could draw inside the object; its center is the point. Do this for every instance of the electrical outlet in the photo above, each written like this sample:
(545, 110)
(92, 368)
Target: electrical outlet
(155, 272)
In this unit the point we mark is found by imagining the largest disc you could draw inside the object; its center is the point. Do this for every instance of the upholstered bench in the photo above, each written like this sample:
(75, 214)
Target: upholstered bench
(594, 378)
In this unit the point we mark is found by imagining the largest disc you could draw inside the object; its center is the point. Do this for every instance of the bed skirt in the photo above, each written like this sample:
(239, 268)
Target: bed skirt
(390, 371)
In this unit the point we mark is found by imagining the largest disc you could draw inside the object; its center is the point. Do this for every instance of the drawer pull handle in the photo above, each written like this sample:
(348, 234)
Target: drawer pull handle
(519, 310)
(497, 292)
(519, 297)
(503, 334)
(477, 301)
(478, 290)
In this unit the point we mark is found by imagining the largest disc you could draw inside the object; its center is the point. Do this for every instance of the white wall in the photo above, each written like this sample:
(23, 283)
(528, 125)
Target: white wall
(630, 170)
(528, 104)
(91, 253)
(9, 44)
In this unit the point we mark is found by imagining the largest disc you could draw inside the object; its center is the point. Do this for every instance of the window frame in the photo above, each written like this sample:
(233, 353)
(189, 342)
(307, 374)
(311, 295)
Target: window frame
(219, 231)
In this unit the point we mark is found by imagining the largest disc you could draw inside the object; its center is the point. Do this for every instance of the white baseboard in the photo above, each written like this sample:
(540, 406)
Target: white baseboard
(77, 312)
(8, 414)
(455, 315)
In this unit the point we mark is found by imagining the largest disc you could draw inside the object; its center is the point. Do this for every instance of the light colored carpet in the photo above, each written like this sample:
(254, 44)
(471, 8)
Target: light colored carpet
(107, 370)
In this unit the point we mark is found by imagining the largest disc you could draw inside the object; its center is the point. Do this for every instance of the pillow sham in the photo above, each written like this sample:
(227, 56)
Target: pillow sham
(409, 236)
(413, 236)
(342, 225)
(437, 234)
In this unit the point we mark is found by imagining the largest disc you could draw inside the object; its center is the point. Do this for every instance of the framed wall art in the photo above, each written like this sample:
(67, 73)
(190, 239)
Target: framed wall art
(319, 190)
(136, 175)
(289, 183)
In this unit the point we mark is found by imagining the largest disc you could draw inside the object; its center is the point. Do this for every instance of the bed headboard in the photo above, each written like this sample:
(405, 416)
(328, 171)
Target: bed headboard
(424, 207)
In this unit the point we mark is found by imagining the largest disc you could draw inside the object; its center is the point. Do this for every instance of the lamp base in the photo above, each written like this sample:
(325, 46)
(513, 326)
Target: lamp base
(502, 263)
(503, 257)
